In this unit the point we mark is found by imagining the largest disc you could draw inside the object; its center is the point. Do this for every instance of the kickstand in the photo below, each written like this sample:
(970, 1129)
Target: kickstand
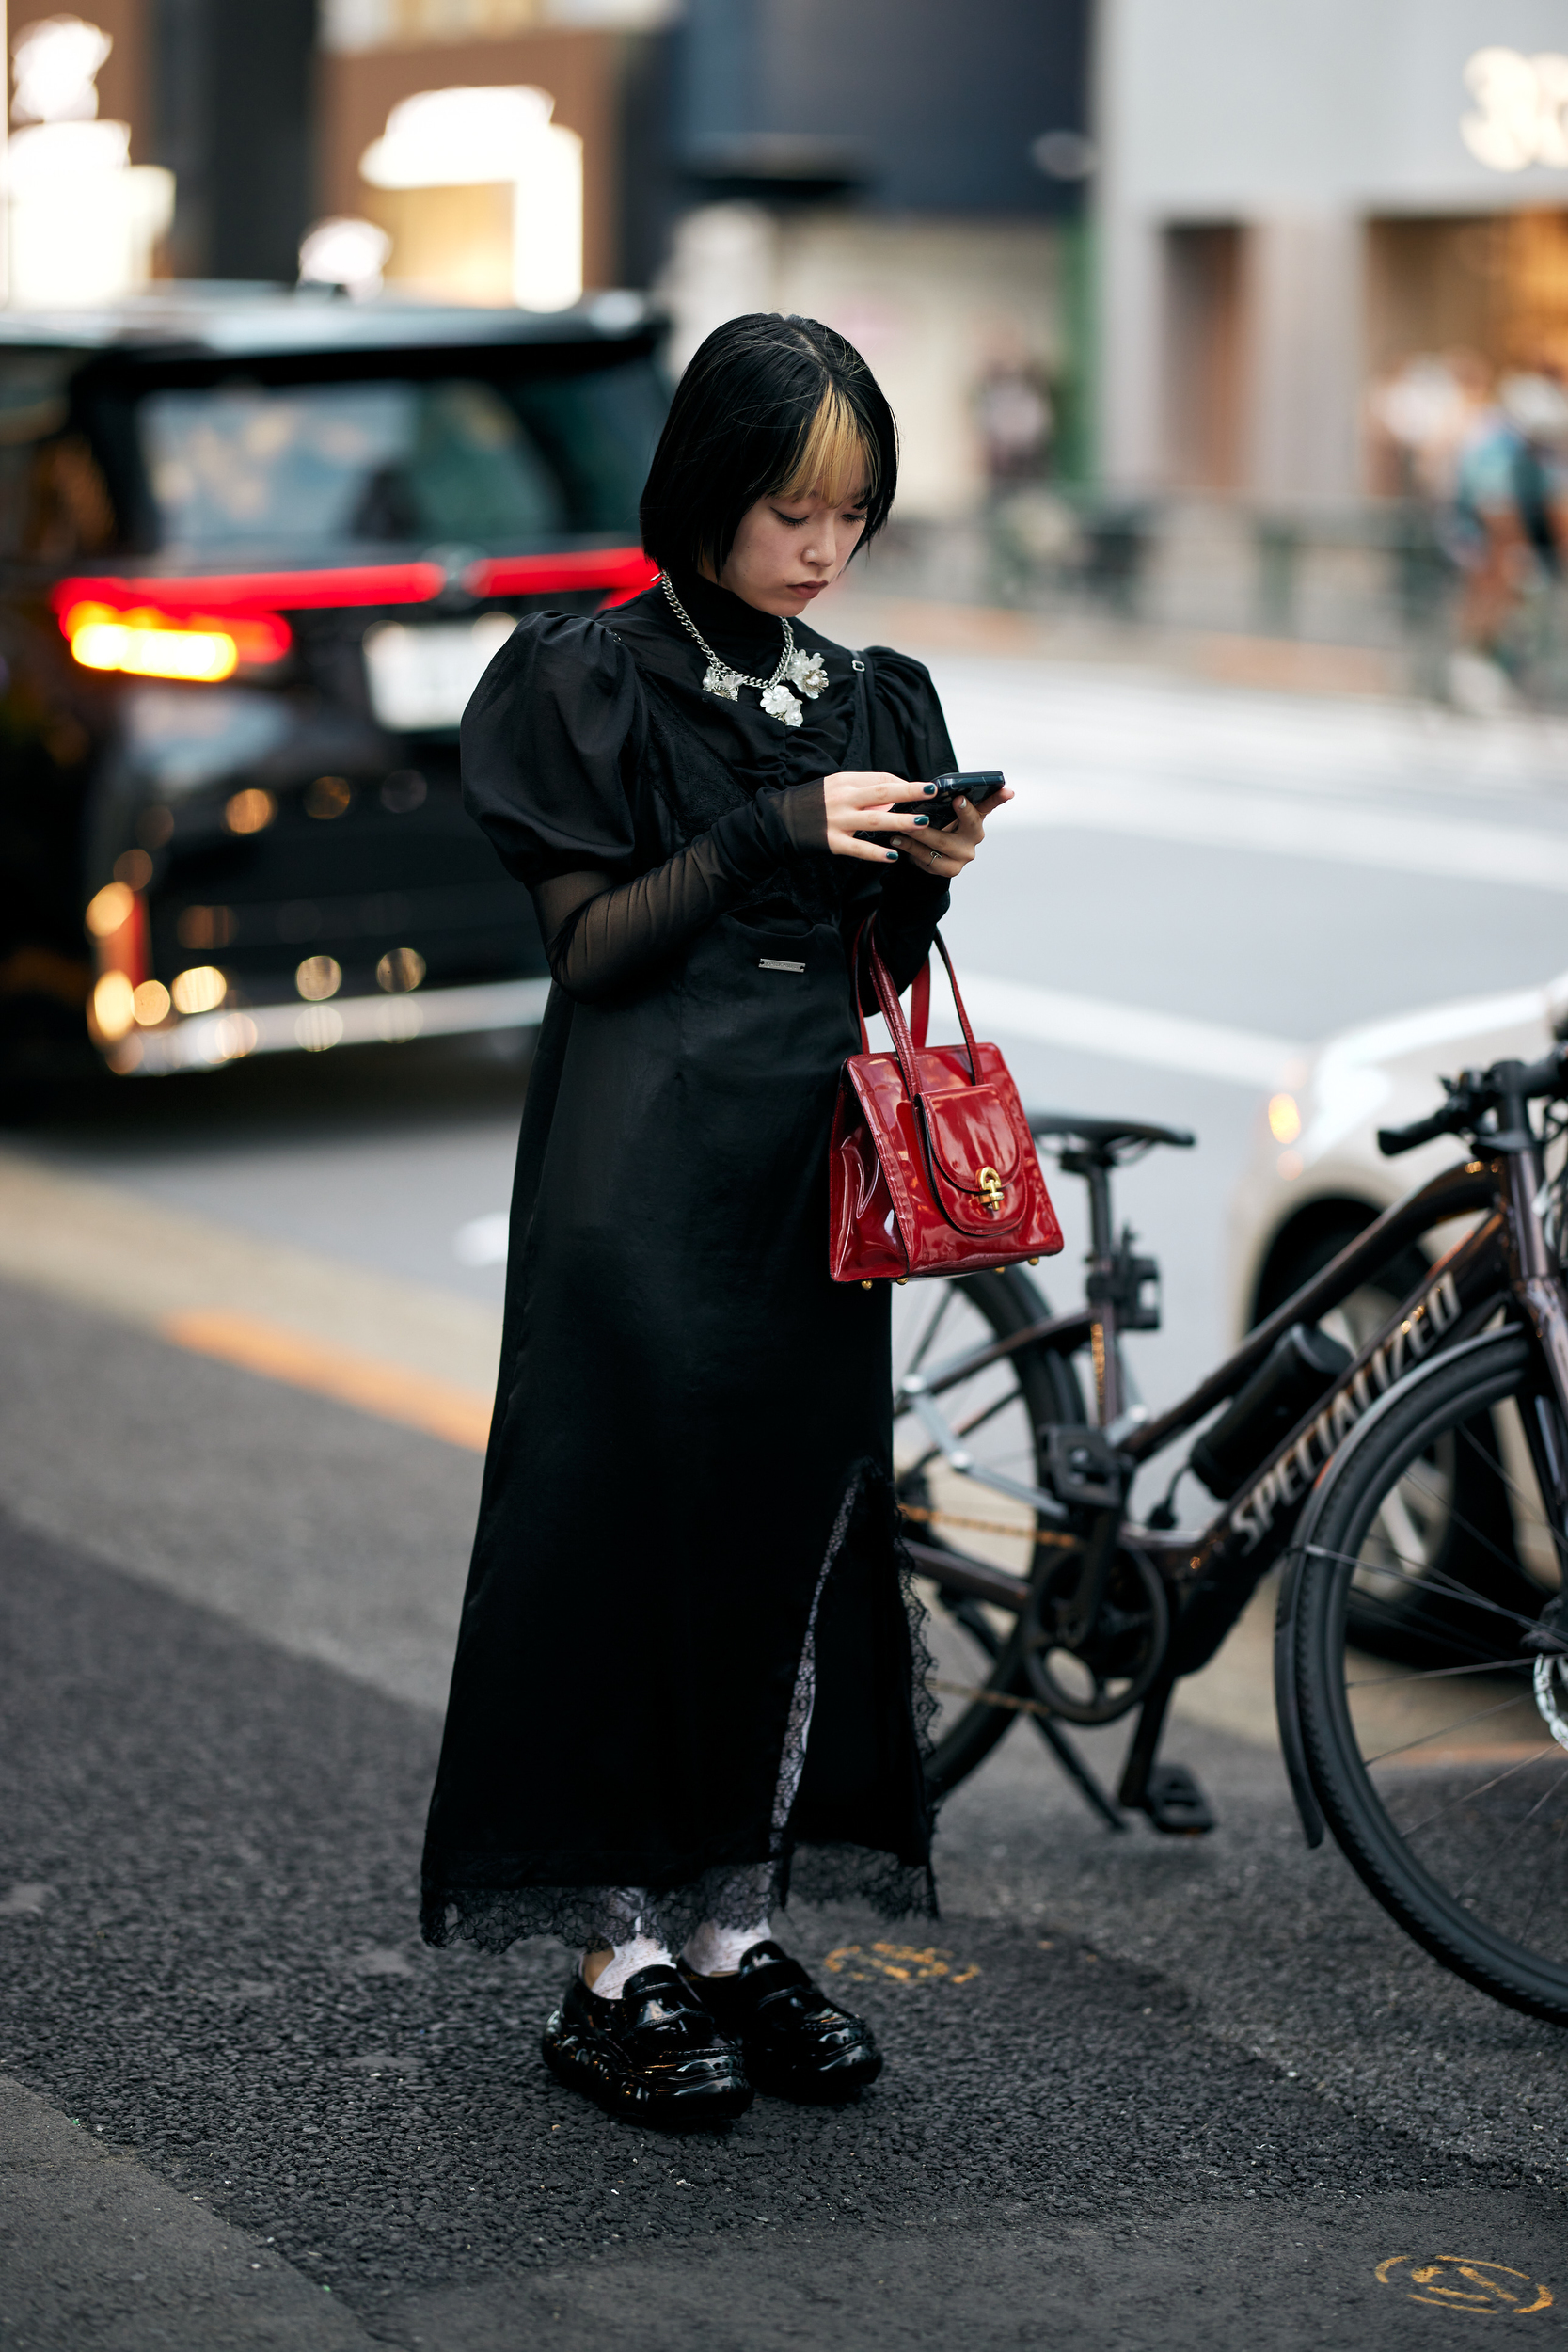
(1078, 1771)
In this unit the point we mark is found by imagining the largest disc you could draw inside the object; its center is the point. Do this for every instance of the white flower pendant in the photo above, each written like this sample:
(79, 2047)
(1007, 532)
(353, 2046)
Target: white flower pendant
(807, 675)
(779, 703)
(725, 683)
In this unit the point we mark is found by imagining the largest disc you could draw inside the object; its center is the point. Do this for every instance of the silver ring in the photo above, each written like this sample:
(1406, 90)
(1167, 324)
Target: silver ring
(934, 856)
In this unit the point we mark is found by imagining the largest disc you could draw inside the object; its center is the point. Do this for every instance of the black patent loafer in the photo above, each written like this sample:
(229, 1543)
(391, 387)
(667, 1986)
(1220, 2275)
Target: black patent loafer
(796, 2041)
(654, 2055)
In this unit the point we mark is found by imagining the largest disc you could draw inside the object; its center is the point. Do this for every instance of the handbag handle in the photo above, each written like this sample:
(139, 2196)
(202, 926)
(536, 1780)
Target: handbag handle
(904, 1045)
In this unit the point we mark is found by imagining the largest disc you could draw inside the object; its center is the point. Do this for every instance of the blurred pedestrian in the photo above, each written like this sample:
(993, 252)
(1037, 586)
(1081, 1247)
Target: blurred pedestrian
(1510, 514)
(686, 1680)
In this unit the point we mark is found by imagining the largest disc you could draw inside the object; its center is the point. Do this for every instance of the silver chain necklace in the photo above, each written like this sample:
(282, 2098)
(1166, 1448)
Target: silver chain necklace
(804, 671)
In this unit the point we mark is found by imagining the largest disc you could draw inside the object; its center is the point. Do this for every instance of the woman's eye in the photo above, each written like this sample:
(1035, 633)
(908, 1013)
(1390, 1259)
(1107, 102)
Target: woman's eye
(794, 520)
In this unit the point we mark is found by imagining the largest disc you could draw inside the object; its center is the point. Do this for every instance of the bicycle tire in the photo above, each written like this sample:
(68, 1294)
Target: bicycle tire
(1477, 1813)
(1006, 1301)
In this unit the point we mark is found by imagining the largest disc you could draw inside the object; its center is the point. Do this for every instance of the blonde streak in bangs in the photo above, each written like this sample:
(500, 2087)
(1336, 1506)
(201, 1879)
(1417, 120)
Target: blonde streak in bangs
(835, 455)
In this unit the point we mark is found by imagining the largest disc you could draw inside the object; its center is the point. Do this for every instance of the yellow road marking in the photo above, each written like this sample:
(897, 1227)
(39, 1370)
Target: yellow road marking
(906, 1963)
(414, 1400)
(1487, 2289)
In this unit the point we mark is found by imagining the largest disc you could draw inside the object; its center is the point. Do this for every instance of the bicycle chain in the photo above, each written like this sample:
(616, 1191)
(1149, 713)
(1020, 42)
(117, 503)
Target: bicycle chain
(1046, 1535)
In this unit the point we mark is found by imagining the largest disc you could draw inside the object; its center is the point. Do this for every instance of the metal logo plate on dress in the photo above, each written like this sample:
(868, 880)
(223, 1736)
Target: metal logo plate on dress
(775, 963)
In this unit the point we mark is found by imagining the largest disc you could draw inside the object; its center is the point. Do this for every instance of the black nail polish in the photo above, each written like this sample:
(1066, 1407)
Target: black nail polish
(927, 787)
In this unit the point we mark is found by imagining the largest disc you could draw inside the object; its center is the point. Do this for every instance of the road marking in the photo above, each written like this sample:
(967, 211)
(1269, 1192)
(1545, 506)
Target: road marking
(906, 1963)
(414, 1400)
(1161, 1041)
(1397, 841)
(1455, 2282)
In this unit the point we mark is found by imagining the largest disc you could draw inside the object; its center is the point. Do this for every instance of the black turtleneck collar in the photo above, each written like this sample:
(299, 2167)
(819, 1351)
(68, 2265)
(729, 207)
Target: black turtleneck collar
(722, 616)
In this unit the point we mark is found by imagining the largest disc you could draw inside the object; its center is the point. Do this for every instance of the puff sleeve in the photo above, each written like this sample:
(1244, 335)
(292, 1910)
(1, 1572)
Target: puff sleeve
(552, 742)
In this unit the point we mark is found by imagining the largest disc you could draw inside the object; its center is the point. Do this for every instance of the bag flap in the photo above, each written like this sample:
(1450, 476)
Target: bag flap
(970, 1129)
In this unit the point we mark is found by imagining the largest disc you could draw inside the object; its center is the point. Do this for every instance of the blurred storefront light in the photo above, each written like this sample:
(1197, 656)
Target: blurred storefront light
(400, 970)
(495, 137)
(345, 252)
(149, 1003)
(114, 1006)
(319, 977)
(55, 63)
(1521, 112)
(110, 910)
(250, 811)
(81, 219)
(200, 989)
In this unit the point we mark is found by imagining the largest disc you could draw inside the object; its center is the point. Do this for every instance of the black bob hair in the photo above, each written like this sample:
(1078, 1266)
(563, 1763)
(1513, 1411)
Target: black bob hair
(767, 404)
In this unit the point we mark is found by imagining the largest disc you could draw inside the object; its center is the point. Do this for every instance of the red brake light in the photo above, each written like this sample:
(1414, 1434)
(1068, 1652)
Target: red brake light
(626, 569)
(201, 631)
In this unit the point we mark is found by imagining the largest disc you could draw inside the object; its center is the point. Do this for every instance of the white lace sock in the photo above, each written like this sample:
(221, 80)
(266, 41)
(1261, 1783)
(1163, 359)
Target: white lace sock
(643, 1951)
(715, 1951)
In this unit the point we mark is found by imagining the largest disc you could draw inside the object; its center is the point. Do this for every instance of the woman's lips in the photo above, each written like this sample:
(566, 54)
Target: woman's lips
(807, 587)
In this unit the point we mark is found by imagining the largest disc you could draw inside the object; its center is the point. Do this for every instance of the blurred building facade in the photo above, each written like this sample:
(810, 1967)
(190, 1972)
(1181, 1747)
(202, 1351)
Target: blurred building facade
(1302, 205)
(913, 173)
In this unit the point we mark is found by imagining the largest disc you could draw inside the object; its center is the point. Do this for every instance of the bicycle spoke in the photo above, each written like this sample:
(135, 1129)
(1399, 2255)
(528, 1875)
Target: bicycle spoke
(945, 1298)
(1514, 1488)
(1430, 1580)
(1457, 1519)
(1469, 1796)
(1446, 1731)
(1524, 1820)
(1442, 1673)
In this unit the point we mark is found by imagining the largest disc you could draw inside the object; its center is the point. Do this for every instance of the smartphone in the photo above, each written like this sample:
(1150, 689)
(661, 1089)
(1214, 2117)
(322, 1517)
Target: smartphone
(978, 784)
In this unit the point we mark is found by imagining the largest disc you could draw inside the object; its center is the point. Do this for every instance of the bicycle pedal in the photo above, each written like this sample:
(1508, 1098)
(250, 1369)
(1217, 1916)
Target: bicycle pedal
(1175, 1802)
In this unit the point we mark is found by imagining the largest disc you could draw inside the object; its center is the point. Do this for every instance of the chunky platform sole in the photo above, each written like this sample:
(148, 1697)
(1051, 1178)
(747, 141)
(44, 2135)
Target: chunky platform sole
(686, 2094)
(826, 2086)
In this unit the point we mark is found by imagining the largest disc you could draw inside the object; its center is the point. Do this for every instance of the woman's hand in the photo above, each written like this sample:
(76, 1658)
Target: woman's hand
(860, 800)
(945, 854)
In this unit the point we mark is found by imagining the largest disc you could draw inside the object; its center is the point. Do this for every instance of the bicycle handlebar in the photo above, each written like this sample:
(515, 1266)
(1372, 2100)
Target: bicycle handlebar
(1391, 1141)
(1474, 1094)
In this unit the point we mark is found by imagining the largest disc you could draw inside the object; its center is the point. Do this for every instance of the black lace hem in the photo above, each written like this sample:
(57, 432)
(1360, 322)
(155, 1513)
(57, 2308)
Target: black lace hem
(586, 1917)
(729, 1895)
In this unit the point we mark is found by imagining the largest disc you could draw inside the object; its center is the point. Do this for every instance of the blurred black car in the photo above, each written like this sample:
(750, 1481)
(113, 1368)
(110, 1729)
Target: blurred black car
(255, 551)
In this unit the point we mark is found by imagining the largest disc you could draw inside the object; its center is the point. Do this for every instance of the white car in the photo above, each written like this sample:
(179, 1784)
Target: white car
(1316, 1177)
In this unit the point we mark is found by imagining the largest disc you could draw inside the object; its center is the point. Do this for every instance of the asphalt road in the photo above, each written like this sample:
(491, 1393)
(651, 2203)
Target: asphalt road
(1137, 2090)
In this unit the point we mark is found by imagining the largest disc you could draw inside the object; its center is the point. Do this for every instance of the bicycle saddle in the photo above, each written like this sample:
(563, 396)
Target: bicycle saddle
(1106, 1135)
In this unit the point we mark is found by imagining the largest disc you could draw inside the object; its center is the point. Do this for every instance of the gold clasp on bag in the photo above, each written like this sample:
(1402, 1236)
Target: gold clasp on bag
(989, 1184)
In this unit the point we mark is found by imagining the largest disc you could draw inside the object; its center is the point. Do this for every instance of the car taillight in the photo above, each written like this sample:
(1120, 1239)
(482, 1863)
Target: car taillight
(200, 648)
(202, 630)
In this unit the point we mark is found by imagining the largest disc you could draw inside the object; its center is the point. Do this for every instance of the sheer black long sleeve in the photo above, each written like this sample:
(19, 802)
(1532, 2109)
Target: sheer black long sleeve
(602, 937)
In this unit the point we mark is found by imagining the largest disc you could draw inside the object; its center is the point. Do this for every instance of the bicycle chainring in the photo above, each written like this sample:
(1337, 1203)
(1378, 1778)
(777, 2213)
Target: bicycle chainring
(1096, 1680)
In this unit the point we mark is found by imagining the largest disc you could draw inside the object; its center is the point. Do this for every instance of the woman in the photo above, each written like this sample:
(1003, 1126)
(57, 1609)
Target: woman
(686, 1680)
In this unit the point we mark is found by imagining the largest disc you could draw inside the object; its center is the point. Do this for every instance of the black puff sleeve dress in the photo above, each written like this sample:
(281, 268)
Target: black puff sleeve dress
(686, 1564)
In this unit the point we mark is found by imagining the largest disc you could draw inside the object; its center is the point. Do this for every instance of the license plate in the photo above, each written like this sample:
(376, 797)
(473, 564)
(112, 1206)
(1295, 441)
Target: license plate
(421, 677)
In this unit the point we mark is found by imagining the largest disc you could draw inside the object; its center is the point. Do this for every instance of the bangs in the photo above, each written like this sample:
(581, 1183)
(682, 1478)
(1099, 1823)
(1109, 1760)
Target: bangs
(834, 456)
(767, 407)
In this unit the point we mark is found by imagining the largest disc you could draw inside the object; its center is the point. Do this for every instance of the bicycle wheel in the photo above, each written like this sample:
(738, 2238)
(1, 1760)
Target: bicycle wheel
(1399, 1618)
(999, 1412)
(1446, 1785)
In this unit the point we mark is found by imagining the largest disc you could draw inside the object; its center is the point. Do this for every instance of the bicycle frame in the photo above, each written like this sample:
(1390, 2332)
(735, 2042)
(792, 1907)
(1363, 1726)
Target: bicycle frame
(1504, 1260)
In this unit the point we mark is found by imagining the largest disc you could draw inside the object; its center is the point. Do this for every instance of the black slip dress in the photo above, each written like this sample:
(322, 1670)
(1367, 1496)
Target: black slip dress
(685, 1563)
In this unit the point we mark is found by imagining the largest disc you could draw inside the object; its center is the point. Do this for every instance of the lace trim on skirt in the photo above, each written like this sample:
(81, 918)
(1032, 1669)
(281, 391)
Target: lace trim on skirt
(591, 1917)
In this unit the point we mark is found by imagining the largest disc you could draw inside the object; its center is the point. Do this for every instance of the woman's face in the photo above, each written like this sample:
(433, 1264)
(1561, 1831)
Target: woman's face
(788, 550)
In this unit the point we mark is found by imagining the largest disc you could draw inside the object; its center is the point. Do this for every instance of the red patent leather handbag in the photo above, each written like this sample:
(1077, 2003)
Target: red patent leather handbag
(932, 1168)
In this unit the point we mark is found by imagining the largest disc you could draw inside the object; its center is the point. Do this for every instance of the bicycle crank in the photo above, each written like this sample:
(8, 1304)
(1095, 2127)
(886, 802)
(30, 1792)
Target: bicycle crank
(1096, 1677)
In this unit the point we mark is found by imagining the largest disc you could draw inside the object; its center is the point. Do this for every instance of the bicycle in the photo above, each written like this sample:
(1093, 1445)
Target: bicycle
(1415, 1490)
